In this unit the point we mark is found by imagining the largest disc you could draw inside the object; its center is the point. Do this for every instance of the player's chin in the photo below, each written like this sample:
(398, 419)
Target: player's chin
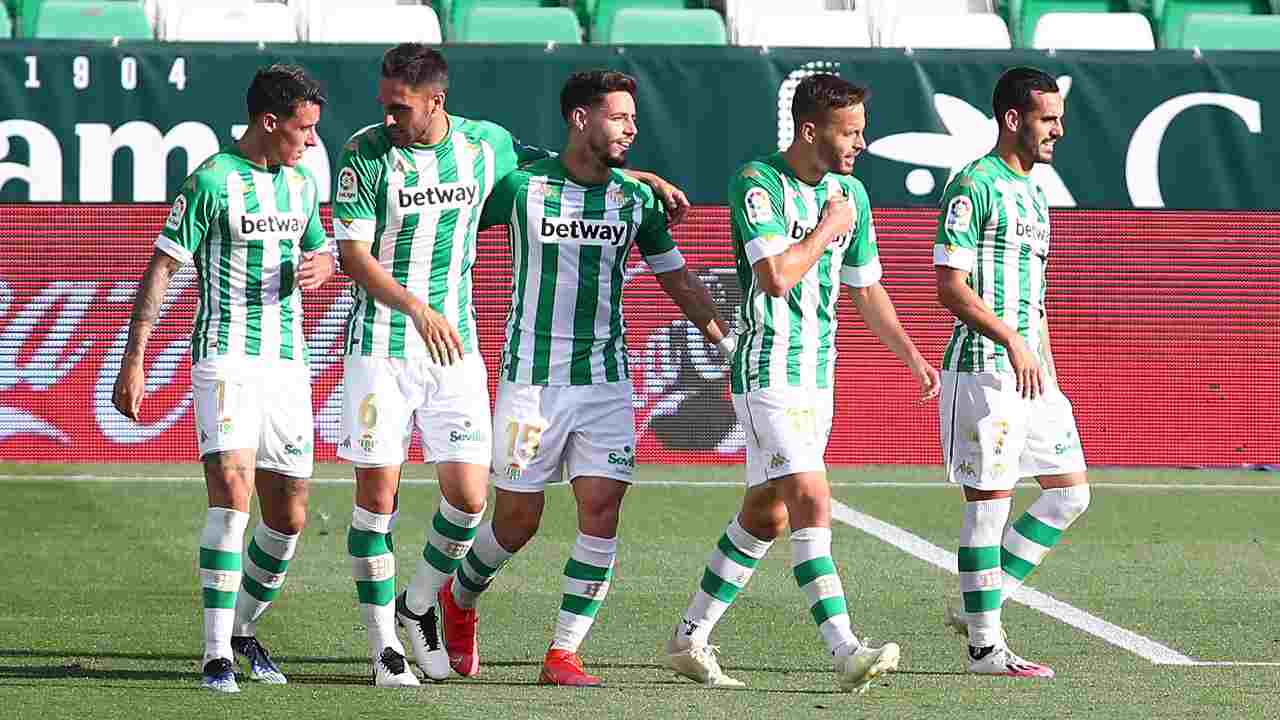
(616, 160)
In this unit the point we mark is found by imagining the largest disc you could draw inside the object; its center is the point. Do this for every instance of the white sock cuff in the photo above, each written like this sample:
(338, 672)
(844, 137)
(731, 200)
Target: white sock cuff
(275, 543)
(746, 542)
(594, 550)
(224, 529)
(809, 543)
(459, 517)
(370, 521)
(487, 548)
(984, 522)
(1059, 507)
(391, 524)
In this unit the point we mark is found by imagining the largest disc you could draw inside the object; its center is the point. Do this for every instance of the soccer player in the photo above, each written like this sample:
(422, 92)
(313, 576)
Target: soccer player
(801, 228)
(406, 212)
(564, 397)
(1002, 414)
(249, 219)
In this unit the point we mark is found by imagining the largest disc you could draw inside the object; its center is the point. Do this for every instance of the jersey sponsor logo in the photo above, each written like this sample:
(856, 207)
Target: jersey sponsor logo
(458, 436)
(263, 226)
(800, 231)
(176, 214)
(626, 458)
(346, 186)
(959, 212)
(442, 197)
(583, 232)
(759, 206)
(1035, 234)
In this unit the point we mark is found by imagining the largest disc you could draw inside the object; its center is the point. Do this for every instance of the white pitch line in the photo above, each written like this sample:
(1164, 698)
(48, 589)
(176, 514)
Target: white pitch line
(912, 544)
(1233, 663)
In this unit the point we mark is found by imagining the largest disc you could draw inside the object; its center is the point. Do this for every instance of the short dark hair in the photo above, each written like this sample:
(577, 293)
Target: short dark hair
(1013, 90)
(819, 94)
(416, 65)
(585, 89)
(280, 89)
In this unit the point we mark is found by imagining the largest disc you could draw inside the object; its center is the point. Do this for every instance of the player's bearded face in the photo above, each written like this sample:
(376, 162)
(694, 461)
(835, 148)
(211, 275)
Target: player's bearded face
(290, 137)
(611, 128)
(1042, 127)
(840, 139)
(407, 111)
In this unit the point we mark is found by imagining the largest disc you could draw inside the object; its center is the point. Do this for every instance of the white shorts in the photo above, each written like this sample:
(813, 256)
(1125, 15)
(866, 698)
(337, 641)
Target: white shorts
(383, 397)
(258, 404)
(992, 436)
(590, 430)
(787, 430)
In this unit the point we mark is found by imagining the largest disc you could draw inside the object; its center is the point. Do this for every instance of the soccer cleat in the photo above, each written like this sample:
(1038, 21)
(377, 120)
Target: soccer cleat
(424, 638)
(1000, 660)
(459, 632)
(561, 667)
(954, 617)
(698, 663)
(856, 670)
(391, 670)
(261, 667)
(220, 676)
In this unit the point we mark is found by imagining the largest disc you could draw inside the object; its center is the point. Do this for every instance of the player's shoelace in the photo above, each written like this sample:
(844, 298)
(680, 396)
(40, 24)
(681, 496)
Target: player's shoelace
(251, 648)
(429, 629)
(392, 661)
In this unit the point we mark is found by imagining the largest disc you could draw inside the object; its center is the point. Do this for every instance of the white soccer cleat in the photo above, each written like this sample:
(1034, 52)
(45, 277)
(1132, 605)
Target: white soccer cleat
(954, 617)
(391, 670)
(1001, 661)
(698, 663)
(425, 639)
(219, 675)
(855, 671)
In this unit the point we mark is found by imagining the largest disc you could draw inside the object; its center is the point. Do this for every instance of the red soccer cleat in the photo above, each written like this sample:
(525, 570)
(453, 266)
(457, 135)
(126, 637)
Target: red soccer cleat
(562, 667)
(459, 633)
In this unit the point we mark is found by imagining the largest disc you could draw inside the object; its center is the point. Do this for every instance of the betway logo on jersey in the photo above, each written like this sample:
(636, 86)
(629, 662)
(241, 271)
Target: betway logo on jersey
(798, 232)
(267, 226)
(583, 232)
(447, 196)
(1034, 234)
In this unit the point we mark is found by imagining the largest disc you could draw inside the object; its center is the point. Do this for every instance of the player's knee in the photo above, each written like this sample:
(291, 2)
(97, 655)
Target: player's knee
(767, 523)
(1074, 502)
(516, 527)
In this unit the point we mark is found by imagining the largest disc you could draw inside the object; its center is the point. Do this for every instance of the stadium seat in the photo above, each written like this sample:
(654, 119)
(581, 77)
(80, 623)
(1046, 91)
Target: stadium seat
(642, 26)
(303, 9)
(1169, 15)
(1025, 14)
(1231, 32)
(256, 22)
(78, 20)
(976, 31)
(386, 25)
(737, 12)
(827, 28)
(1093, 31)
(26, 13)
(604, 10)
(168, 12)
(535, 25)
(458, 9)
(884, 16)
(6, 26)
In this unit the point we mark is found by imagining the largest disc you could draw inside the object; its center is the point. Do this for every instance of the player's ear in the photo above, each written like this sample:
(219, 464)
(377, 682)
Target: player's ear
(1012, 120)
(270, 122)
(808, 131)
(578, 118)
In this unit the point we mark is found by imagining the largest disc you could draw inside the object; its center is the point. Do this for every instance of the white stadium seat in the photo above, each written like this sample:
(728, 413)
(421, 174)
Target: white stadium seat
(831, 28)
(167, 12)
(977, 31)
(886, 13)
(355, 24)
(303, 9)
(254, 22)
(1093, 31)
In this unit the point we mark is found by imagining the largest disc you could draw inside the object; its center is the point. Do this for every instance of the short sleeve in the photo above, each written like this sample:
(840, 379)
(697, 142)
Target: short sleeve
(356, 194)
(756, 211)
(193, 212)
(966, 206)
(861, 265)
(509, 153)
(653, 237)
(497, 208)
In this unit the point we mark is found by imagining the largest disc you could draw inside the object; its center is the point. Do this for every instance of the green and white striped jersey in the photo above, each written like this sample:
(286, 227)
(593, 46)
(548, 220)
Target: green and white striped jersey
(245, 227)
(419, 207)
(790, 340)
(995, 226)
(569, 247)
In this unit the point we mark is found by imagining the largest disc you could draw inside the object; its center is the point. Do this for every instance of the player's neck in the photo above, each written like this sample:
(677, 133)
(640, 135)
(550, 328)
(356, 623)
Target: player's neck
(803, 166)
(437, 129)
(1017, 161)
(253, 147)
(583, 166)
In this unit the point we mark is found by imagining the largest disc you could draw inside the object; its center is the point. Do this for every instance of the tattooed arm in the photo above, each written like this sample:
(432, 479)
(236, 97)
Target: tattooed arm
(131, 383)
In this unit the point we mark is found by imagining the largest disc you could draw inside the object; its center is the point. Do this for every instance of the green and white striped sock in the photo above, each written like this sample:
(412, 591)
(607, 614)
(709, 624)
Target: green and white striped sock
(1033, 535)
(586, 582)
(477, 570)
(449, 538)
(220, 546)
(729, 567)
(815, 573)
(374, 568)
(266, 563)
(978, 561)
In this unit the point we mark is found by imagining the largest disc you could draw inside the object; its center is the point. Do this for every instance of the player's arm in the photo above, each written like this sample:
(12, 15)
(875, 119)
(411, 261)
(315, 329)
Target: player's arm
(965, 211)
(672, 197)
(318, 263)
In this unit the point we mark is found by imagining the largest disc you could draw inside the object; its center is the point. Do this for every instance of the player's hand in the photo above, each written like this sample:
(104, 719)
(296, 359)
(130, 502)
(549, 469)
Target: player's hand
(927, 376)
(837, 212)
(130, 387)
(315, 269)
(675, 201)
(1026, 368)
(442, 339)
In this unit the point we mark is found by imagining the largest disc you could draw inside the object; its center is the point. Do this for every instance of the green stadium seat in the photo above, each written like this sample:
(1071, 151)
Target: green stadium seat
(602, 12)
(1209, 31)
(28, 13)
(72, 19)
(1024, 14)
(519, 26)
(6, 25)
(452, 12)
(1169, 15)
(642, 26)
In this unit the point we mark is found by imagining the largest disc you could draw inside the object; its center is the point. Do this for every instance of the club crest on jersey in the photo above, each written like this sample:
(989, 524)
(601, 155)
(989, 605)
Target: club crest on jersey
(176, 213)
(346, 186)
(959, 212)
(614, 195)
(759, 206)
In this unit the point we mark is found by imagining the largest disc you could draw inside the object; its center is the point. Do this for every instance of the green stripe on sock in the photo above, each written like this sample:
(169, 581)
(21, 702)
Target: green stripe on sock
(456, 533)
(718, 588)
(362, 543)
(258, 590)
(376, 592)
(824, 610)
(273, 565)
(579, 605)
(219, 598)
(1014, 565)
(582, 571)
(439, 560)
(466, 582)
(973, 559)
(981, 600)
(480, 567)
(731, 551)
(1036, 531)
(807, 571)
(218, 559)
